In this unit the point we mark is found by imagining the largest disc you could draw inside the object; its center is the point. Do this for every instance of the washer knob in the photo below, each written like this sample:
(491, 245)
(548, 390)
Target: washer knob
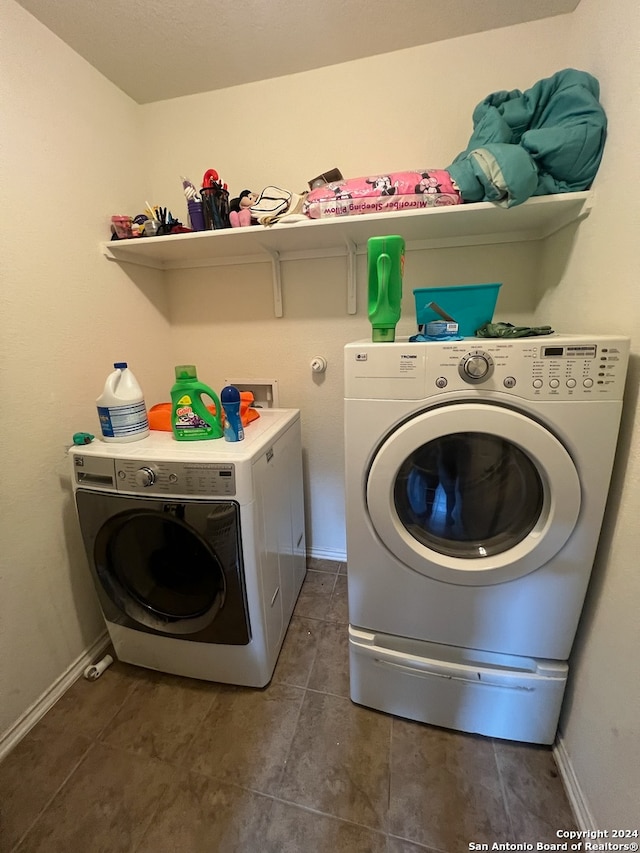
(145, 477)
(477, 366)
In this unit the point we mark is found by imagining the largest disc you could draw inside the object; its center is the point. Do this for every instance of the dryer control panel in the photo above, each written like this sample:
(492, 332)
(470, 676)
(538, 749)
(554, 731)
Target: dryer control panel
(135, 476)
(551, 367)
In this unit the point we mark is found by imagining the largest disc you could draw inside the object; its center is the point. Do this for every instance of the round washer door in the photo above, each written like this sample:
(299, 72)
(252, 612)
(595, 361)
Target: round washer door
(473, 494)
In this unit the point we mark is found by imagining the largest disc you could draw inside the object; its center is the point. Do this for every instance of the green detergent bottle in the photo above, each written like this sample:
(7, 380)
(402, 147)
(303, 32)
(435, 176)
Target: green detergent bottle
(191, 420)
(385, 256)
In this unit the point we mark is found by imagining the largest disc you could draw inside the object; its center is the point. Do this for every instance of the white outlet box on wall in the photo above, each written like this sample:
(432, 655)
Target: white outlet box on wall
(265, 391)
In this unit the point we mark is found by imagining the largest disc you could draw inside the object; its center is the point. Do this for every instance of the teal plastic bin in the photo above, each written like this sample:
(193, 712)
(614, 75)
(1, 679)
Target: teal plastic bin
(470, 305)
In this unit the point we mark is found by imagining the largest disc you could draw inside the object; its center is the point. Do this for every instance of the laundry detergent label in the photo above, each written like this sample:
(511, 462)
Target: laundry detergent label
(191, 419)
(188, 420)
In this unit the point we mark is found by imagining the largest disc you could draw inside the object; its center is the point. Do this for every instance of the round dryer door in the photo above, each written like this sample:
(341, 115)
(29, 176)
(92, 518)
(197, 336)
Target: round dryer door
(473, 494)
(159, 570)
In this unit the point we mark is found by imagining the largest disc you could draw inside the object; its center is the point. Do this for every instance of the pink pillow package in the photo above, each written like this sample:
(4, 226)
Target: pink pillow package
(382, 194)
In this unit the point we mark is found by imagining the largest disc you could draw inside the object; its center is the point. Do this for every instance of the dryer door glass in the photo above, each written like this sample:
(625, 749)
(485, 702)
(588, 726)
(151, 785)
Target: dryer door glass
(160, 567)
(468, 495)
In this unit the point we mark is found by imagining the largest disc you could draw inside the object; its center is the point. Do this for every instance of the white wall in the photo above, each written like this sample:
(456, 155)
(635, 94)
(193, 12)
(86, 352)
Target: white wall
(399, 111)
(68, 161)
(80, 151)
(391, 112)
(599, 290)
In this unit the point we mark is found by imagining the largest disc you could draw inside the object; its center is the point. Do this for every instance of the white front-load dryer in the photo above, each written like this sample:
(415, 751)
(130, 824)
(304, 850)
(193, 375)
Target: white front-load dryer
(476, 480)
(196, 549)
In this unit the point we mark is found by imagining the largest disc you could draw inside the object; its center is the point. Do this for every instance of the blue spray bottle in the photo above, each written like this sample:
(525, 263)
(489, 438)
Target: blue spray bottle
(232, 426)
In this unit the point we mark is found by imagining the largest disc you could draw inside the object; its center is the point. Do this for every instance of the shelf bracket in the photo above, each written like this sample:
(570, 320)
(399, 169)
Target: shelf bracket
(277, 281)
(352, 307)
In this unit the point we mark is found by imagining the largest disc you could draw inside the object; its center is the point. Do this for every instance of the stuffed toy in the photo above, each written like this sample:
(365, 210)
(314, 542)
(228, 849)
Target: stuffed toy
(240, 209)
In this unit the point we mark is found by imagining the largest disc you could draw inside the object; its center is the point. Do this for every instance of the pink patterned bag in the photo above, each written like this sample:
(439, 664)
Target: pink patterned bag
(382, 194)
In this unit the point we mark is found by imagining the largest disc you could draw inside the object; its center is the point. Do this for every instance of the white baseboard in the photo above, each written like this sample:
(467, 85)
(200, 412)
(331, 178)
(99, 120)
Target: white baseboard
(34, 714)
(579, 805)
(327, 554)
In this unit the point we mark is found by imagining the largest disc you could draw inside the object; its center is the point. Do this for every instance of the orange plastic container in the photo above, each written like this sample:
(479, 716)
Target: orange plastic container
(160, 414)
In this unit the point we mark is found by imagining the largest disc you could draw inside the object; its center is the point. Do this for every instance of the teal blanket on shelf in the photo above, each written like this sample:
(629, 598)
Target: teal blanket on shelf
(548, 139)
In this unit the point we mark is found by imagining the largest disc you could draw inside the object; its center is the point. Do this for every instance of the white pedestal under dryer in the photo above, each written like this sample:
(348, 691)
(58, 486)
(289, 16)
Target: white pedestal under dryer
(197, 549)
(477, 474)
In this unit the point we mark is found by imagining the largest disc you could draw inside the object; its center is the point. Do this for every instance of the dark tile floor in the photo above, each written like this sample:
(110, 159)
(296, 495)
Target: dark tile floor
(141, 762)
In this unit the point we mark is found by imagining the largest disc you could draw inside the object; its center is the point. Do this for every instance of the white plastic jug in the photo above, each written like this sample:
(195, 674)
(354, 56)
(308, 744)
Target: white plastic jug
(121, 409)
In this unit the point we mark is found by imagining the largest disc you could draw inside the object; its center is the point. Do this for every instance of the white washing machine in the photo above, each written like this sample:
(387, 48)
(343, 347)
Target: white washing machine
(197, 549)
(477, 474)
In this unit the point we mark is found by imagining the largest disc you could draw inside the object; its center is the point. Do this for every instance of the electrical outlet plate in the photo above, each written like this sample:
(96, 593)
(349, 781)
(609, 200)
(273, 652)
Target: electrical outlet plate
(265, 391)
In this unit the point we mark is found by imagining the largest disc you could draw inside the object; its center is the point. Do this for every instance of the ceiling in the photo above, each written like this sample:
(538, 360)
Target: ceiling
(155, 51)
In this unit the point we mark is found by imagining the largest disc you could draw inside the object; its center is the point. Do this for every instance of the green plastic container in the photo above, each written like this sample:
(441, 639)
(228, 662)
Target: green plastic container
(191, 420)
(385, 257)
(470, 305)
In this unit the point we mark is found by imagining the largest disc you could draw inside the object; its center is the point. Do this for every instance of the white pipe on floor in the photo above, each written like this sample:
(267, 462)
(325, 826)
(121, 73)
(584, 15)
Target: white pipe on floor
(95, 670)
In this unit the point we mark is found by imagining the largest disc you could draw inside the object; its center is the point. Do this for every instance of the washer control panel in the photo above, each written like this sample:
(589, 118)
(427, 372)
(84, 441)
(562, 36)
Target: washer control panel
(550, 367)
(134, 476)
(531, 369)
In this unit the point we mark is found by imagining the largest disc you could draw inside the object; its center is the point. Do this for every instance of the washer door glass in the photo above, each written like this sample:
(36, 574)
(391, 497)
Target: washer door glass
(158, 568)
(473, 493)
(468, 494)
